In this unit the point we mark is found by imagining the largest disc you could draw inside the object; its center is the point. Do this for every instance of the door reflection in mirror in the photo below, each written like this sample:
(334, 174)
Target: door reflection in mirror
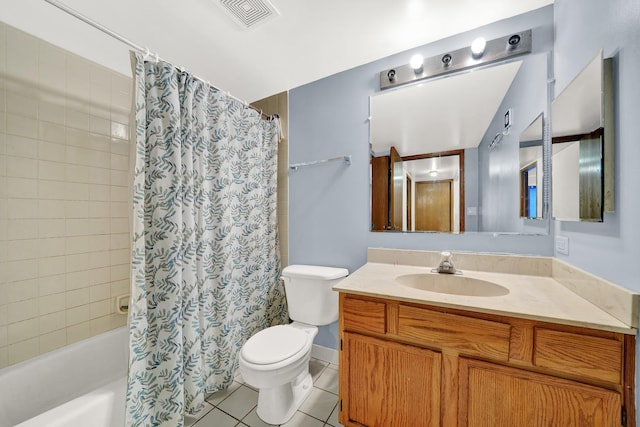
(423, 192)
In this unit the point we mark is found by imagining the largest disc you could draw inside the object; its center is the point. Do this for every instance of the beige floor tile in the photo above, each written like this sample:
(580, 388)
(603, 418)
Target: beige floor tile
(217, 397)
(303, 420)
(319, 404)
(252, 420)
(216, 418)
(333, 419)
(190, 420)
(316, 367)
(328, 380)
(240, 402)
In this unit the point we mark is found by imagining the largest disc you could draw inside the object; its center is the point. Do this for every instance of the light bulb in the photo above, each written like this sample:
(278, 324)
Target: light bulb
(477, 47)
(416, 63)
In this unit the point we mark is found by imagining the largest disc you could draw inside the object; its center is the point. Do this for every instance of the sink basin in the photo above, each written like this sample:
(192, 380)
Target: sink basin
(452, 284)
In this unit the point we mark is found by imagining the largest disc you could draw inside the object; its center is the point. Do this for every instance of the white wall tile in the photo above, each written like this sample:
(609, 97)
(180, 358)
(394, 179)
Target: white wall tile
(77, 297)
(52, 284)
(76, 209)
(23, 330)
(52, 66)
(53, 190)
(53, 112)
(22, 310)
(56, 133)
(78, 332)
(53, 340)
(51, 170)
(23, 350)
(52, 322)
(99, 292)
(51, 247)
(22, 208)
(78, 74)
(77, 119)
(78, 314)
(22, 188)
(64, 196)
(50, 209)
(20, 146)
(19, 104)
(51, 304)
(99, 142)
(48, 228)
(21, 126)
(51, 266)
(22, 229)
(51, 151)
(22, 249)
(120, 178)
(78, 279)
(22, 55)
(21, 291)
(77, 173)
(21, 167)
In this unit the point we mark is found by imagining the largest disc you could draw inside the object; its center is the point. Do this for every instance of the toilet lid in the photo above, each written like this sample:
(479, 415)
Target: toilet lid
(273, 345)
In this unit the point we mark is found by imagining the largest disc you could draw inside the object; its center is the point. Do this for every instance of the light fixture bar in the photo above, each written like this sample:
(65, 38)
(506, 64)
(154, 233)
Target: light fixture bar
(495, 50)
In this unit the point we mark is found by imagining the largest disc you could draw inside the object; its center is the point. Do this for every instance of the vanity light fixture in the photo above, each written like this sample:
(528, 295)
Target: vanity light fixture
(480, 52)
(416, 62)
(478, 46)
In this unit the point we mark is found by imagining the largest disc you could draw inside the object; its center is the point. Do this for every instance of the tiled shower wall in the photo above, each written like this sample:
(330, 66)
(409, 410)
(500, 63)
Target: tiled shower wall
(64, 158)
(279, 104)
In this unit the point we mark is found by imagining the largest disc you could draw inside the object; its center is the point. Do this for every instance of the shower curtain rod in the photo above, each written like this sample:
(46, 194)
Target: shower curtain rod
(136, 46)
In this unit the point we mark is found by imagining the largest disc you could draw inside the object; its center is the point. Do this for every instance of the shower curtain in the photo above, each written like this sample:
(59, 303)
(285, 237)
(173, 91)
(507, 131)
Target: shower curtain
(205, 256)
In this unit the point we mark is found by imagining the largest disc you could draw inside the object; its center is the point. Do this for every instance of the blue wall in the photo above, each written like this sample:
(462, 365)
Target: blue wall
(610, 249)
(329, 212)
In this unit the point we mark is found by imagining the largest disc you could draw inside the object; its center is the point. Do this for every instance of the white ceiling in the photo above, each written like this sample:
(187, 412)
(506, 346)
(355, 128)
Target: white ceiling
(451, 113)
(310, 40)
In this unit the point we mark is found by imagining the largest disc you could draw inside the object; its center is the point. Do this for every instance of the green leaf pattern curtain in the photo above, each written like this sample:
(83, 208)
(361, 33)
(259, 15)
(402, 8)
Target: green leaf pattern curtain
(205, 256)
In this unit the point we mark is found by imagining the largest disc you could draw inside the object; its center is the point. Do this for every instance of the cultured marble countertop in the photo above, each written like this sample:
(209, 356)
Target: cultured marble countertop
(536, 297)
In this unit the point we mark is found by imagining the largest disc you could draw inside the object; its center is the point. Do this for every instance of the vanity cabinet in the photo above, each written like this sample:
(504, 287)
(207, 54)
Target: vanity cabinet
(407, 364)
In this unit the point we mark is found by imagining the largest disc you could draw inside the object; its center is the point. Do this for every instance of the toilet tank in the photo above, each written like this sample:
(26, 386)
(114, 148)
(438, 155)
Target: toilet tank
(310, 297)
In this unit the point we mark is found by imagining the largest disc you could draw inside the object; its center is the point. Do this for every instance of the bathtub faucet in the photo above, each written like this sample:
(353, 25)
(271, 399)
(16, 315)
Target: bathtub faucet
(446, 264)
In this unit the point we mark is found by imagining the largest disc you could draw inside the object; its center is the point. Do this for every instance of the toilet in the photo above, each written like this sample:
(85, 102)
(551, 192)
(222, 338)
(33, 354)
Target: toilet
(276, 359)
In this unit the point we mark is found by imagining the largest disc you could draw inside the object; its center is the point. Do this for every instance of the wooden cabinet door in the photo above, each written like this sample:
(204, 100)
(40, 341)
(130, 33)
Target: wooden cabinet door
(386, 384)
(493, 396)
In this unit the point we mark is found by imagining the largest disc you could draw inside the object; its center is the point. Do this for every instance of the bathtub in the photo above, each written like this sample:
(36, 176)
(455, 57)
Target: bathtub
(80, 385)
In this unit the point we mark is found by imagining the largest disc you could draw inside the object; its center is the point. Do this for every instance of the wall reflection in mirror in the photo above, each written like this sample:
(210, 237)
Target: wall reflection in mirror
(431, 166)
(583, 145)
(531, 173)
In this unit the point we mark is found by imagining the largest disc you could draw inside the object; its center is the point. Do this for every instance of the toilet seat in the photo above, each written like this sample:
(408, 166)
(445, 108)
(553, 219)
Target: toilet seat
(274, 344)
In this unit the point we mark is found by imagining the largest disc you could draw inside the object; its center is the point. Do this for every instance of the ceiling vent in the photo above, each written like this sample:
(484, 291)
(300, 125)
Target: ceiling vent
(250, 13)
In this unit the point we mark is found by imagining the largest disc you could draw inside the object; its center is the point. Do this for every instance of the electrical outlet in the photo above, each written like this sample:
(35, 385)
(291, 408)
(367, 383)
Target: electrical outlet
(562, 245)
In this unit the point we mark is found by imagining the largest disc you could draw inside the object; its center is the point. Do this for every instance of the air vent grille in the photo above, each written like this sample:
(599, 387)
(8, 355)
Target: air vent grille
(248, 13)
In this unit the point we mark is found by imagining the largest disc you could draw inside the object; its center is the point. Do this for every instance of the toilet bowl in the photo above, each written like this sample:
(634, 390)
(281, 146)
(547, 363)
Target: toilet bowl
(276, 360)
(277, 363)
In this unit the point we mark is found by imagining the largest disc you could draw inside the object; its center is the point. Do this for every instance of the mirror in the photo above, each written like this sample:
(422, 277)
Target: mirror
(531, 143)
(432, 168)
(582, 149)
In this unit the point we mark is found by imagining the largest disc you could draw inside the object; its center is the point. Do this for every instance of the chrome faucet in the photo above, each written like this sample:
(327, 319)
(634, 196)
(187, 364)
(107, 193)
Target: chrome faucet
(446, 264)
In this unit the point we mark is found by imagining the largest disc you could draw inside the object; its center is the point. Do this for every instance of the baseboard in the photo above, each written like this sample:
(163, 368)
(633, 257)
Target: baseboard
(325, 353)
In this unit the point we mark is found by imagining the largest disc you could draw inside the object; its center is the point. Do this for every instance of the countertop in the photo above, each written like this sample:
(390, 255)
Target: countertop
(535, 297)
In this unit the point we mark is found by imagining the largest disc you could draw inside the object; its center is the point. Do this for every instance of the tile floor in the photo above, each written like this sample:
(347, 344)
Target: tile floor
(236, 406)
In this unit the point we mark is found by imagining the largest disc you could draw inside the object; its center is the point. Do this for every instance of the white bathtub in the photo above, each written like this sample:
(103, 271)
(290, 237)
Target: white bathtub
(81, 385)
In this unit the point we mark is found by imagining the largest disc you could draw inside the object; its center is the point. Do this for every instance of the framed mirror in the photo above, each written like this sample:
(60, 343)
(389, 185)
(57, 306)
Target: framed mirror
(582, 149)
(442, 157)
